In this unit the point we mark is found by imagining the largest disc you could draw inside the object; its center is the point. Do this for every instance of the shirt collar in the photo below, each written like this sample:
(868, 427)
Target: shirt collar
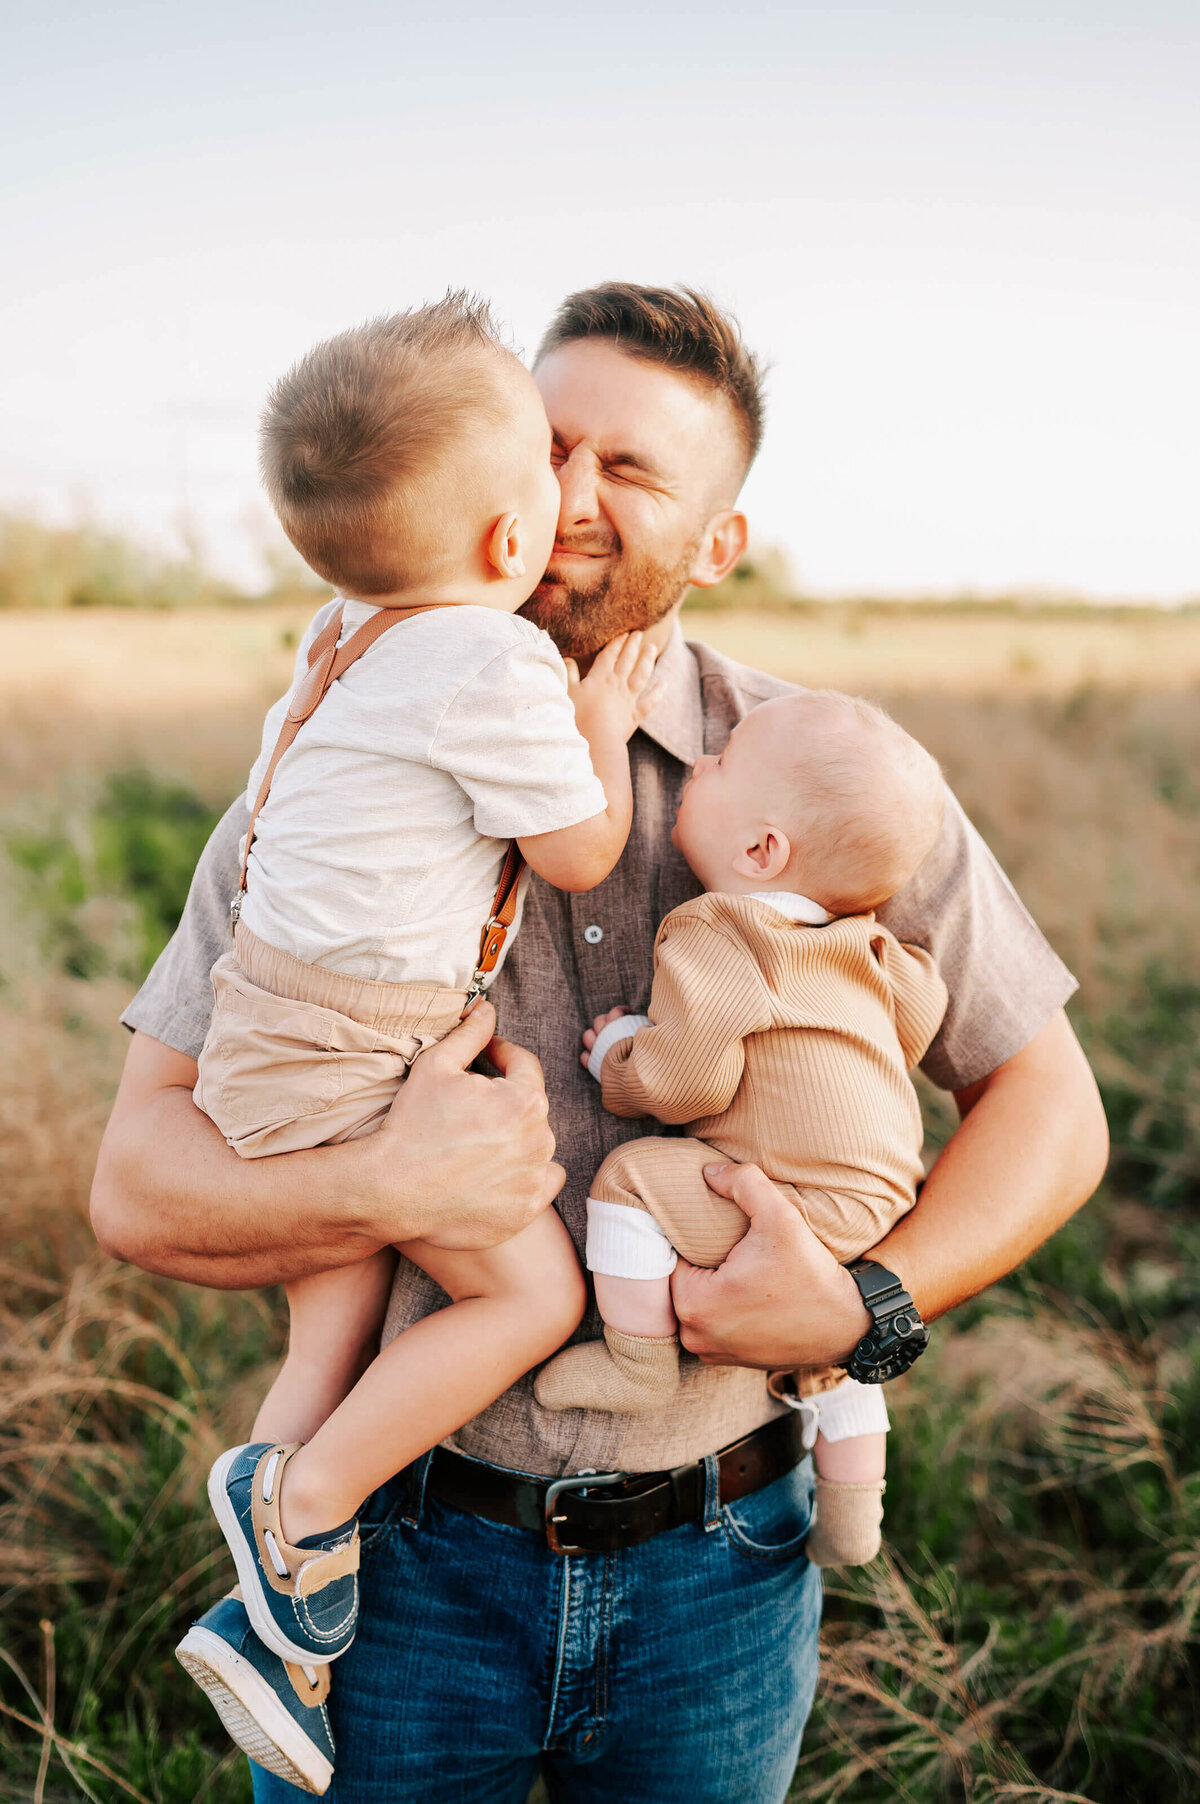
(676, 722)
(796, 908)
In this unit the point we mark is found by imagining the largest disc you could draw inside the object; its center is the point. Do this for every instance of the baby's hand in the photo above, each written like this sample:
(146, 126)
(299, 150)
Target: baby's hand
(616, 694)
(589, 1033)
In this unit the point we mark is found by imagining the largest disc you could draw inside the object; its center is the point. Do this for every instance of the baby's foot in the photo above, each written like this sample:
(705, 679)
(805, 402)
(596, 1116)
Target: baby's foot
(627, 1373)
(846, 1529)
(302, 1600)
(274, 1711)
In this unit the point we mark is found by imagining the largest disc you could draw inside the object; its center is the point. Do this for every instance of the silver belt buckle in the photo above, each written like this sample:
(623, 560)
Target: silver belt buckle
(582, 1481)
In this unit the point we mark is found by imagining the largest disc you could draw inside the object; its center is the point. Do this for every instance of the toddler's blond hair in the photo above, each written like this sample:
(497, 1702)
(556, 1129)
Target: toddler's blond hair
(368, 445)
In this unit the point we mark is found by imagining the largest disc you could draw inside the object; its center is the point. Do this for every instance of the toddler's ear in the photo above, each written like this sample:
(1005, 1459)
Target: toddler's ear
(504, 546)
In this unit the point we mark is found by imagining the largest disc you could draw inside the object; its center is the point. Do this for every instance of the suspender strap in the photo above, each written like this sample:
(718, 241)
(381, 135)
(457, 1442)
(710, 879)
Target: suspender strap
(496, 929)
(326, 662)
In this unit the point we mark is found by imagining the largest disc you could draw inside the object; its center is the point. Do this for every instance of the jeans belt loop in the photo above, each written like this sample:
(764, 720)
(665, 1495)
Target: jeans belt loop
(712, 1492)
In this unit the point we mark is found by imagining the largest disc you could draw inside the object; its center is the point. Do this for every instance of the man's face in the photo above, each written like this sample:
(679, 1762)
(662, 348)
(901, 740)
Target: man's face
(645, 459)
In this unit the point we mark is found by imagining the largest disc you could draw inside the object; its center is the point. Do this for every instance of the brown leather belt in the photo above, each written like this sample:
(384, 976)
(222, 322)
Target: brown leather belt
(599, 1512)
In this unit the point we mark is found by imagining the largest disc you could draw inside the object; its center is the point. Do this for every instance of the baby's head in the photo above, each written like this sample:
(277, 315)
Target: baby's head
(818, 793)
(411, 456)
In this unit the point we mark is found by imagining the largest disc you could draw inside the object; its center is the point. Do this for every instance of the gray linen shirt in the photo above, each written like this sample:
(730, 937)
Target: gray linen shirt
(578, 955)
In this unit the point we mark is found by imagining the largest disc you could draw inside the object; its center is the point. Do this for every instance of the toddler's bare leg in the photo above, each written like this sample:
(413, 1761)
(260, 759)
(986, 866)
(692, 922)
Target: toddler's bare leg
(334, 1323)
(511, 1307)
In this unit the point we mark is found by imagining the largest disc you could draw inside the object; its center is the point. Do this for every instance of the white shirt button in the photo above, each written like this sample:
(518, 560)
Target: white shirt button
(593, 934)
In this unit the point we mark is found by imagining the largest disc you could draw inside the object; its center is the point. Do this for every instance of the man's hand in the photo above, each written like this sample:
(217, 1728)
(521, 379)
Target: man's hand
(780, 1299)
(1030, 1150)
(463, 1157)
(484, 1143)
(600, 1022)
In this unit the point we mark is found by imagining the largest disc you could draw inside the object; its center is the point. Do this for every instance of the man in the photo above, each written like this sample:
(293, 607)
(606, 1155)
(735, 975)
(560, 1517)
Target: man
(676, 1657)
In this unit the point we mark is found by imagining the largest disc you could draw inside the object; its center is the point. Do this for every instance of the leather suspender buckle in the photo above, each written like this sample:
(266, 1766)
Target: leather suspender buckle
(582, 1481)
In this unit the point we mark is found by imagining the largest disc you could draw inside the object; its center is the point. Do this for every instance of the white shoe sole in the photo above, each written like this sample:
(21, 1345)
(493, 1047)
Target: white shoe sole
(251, 1712)
(250, 1577)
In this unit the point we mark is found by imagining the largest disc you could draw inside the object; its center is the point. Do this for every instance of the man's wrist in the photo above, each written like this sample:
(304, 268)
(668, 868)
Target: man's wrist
(371, 1202)
(855, 1319)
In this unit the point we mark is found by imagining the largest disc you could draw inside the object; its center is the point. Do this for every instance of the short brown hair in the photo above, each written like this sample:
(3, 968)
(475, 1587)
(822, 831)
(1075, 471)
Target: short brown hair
(681, 328)
(354, 437)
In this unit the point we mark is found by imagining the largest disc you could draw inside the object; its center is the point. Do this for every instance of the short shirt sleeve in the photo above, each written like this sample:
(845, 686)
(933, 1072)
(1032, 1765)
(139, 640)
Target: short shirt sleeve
(509, 739)
(1004, 979)
(174, 1004)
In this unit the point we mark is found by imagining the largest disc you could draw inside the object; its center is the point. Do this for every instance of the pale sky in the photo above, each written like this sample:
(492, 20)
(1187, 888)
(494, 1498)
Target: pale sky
(967, 239)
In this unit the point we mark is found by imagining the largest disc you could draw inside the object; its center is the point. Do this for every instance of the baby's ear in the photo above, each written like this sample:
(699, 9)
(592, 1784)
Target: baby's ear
(768, 857)
(504, 546)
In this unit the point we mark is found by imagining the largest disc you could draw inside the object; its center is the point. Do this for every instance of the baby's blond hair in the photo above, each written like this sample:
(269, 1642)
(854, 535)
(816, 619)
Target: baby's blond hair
(867, 801)
(357, 438)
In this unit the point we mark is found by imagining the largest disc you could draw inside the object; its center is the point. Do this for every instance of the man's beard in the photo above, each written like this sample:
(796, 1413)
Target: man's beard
(633, 594)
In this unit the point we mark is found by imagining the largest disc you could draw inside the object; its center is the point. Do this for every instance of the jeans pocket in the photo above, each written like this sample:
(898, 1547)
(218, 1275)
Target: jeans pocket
(772, 1524)
(381, 1512)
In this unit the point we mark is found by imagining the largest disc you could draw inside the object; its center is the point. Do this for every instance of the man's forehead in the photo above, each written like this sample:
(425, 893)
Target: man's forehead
(595, 392)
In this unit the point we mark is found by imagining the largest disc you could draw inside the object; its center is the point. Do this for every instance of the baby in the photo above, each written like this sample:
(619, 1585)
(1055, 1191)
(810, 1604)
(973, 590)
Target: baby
(431, 741)
(783, 1022)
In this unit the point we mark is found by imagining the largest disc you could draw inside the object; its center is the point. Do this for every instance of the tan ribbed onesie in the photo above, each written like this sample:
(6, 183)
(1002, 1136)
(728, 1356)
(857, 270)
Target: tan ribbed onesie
(783, 1045)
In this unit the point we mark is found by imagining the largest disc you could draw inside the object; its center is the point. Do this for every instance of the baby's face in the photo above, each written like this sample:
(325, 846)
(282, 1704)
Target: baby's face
(727, 799)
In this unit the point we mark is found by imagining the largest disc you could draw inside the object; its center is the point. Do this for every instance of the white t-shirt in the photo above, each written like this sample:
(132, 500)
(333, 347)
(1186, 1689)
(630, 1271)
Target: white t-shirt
(380, 846)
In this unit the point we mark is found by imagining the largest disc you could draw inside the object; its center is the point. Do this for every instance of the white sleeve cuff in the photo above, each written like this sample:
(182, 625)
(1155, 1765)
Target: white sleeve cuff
(623, 1028)
(626, 1243)
(852, 1409)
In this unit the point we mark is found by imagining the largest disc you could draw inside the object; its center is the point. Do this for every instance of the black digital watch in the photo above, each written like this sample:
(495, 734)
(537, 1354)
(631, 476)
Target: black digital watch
(897, 1335)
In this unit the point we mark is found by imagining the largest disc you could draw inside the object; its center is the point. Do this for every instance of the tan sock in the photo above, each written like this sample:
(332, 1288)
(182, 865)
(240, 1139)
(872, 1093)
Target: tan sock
(846, 1531)
(623, 1372)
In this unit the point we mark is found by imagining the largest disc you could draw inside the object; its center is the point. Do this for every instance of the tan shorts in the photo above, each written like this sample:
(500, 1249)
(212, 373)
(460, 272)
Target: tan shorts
(298, 1056)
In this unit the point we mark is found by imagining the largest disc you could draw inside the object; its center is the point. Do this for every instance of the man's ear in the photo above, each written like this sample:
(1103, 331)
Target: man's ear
(721, 546)
(768, 858)
(505, 549)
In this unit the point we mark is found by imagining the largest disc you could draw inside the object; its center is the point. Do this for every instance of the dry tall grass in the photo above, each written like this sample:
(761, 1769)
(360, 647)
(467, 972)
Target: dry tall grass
(1033, 1632)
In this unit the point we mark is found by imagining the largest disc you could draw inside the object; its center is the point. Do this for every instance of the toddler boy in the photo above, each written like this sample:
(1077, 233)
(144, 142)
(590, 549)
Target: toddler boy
(431, 743)
(783, 1022)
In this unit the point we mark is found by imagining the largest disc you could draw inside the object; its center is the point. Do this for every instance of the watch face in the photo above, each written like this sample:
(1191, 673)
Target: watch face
(884, 1353)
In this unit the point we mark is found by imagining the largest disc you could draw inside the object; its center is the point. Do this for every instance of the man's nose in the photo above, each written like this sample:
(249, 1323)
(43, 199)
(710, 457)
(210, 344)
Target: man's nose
(578, 480)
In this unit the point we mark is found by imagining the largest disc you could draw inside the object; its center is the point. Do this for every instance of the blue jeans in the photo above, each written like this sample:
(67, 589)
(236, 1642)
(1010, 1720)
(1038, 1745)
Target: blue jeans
(677, 1672)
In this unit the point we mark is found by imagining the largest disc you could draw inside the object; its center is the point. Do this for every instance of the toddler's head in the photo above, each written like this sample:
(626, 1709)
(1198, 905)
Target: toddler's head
(819, 793)
(411, 457)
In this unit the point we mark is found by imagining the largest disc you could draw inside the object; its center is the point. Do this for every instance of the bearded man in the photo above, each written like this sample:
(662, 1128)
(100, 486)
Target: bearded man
(648, 1629)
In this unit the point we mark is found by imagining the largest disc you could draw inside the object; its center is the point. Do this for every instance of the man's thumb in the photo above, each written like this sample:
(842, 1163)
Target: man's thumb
(744, 1185)
(465, 1042)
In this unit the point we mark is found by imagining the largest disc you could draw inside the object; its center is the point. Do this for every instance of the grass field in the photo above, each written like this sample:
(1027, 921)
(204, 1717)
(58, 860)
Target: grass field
(1033, 1630)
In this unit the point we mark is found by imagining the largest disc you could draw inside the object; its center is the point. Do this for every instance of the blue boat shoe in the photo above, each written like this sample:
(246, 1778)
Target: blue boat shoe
(302, 1600)
(275, 1712)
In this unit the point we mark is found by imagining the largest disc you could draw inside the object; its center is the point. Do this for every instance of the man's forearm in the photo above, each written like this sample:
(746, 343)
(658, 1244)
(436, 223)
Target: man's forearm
(209, 1217)
(1030, 1149)
(463, 1160)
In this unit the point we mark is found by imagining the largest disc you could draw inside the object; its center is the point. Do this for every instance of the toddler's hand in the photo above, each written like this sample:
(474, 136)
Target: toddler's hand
(616, 694)
(589, 1033)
